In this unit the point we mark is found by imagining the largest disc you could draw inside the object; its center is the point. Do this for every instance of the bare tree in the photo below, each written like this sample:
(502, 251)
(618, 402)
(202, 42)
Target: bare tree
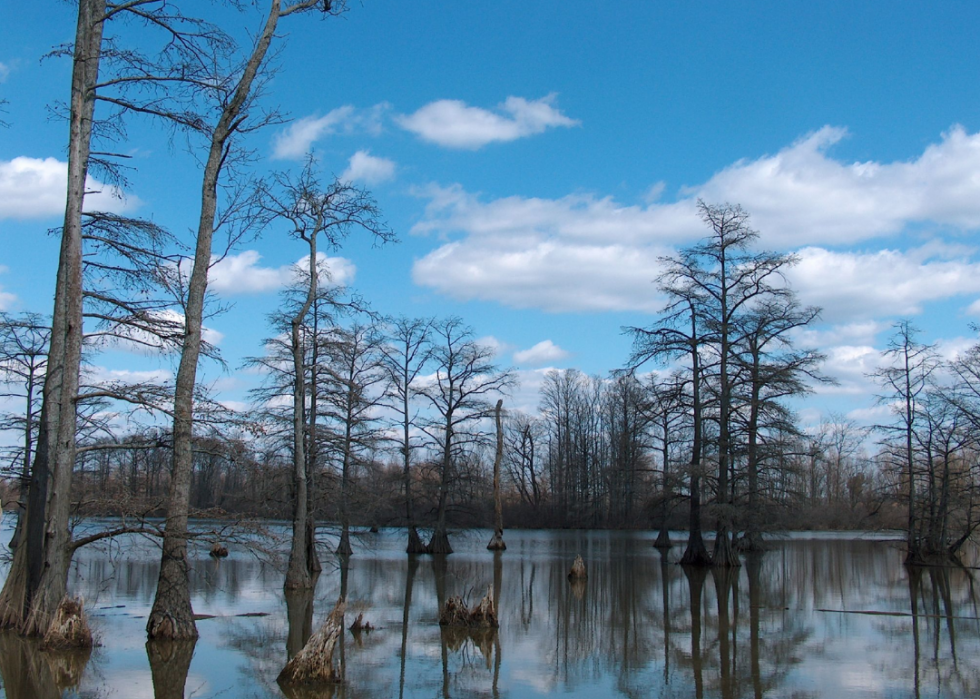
(459, 394)
(138, 81)
(522, 458)
(405, 355)
(351, 394)
(905, 381)
(235, 95)
(313, 211)
(23, 359)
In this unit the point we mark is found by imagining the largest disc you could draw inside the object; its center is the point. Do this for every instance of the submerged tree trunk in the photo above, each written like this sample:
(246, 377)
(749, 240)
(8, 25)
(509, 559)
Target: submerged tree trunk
(497, 542)
(695, 554)
(37, 581)
(439, 543)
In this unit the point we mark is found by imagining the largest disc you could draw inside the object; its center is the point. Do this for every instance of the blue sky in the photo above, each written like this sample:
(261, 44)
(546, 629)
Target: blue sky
(535, 159)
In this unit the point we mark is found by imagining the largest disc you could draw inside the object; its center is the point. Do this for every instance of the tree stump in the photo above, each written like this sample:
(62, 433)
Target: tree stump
(483, 615)
(578, 569)
(314, 664)
(497, 542)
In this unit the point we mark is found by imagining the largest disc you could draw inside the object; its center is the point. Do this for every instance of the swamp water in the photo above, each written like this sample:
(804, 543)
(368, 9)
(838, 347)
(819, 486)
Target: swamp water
(831, 616)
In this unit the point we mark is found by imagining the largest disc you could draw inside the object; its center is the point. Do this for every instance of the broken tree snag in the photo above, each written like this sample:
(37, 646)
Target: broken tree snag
(578, 569)
(218, 551)
(314, 664)
(483, 615)
(69, 627)
(497, 542)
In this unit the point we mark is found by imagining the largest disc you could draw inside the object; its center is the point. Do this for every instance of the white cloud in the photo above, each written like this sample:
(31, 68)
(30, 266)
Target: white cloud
(850, 366)
(544, 352)
(242, 273)
(863, 285)
(586, 252)
(454, 124)
(493, 344)
(369, 169)
(296, 139)
(974, 308)
(4, 72)
(36, 188)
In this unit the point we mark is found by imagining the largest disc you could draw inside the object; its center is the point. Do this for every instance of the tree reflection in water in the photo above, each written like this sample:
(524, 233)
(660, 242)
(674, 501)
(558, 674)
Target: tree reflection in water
(169, 663)
(29, 673)
(809, 618)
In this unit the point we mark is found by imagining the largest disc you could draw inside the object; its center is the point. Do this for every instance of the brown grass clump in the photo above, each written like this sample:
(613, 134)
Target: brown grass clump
(69, 628)
(578, 569)
(314, 664)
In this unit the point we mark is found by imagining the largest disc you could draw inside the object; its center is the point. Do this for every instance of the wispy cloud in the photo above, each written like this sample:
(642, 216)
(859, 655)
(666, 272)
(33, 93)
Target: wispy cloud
(296, 139)
(454, 124)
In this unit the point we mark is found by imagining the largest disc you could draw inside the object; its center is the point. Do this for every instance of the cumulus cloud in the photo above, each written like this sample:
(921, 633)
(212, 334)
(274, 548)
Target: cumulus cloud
(863, 285)
(243, 274)
(296, 139)
(454, 124)
(36, 188)
(588, 252)
(545, 352)
(368, 168)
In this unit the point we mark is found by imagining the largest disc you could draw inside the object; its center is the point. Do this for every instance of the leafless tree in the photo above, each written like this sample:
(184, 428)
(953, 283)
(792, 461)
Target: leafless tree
(406, 355)
(236, 111)
(459, 394)
(312, 211)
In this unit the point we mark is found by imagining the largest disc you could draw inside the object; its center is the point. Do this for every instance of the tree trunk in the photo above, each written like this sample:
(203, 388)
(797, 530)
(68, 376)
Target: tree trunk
(303, 568)
(497, 542)
(171, 616)
(38, 577)
(439, 543)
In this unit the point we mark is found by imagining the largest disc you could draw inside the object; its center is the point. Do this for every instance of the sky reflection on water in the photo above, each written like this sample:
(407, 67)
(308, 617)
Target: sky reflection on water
(813, 617)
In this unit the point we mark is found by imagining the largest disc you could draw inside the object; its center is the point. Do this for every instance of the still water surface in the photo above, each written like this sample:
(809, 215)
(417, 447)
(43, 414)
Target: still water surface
(815, 616)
